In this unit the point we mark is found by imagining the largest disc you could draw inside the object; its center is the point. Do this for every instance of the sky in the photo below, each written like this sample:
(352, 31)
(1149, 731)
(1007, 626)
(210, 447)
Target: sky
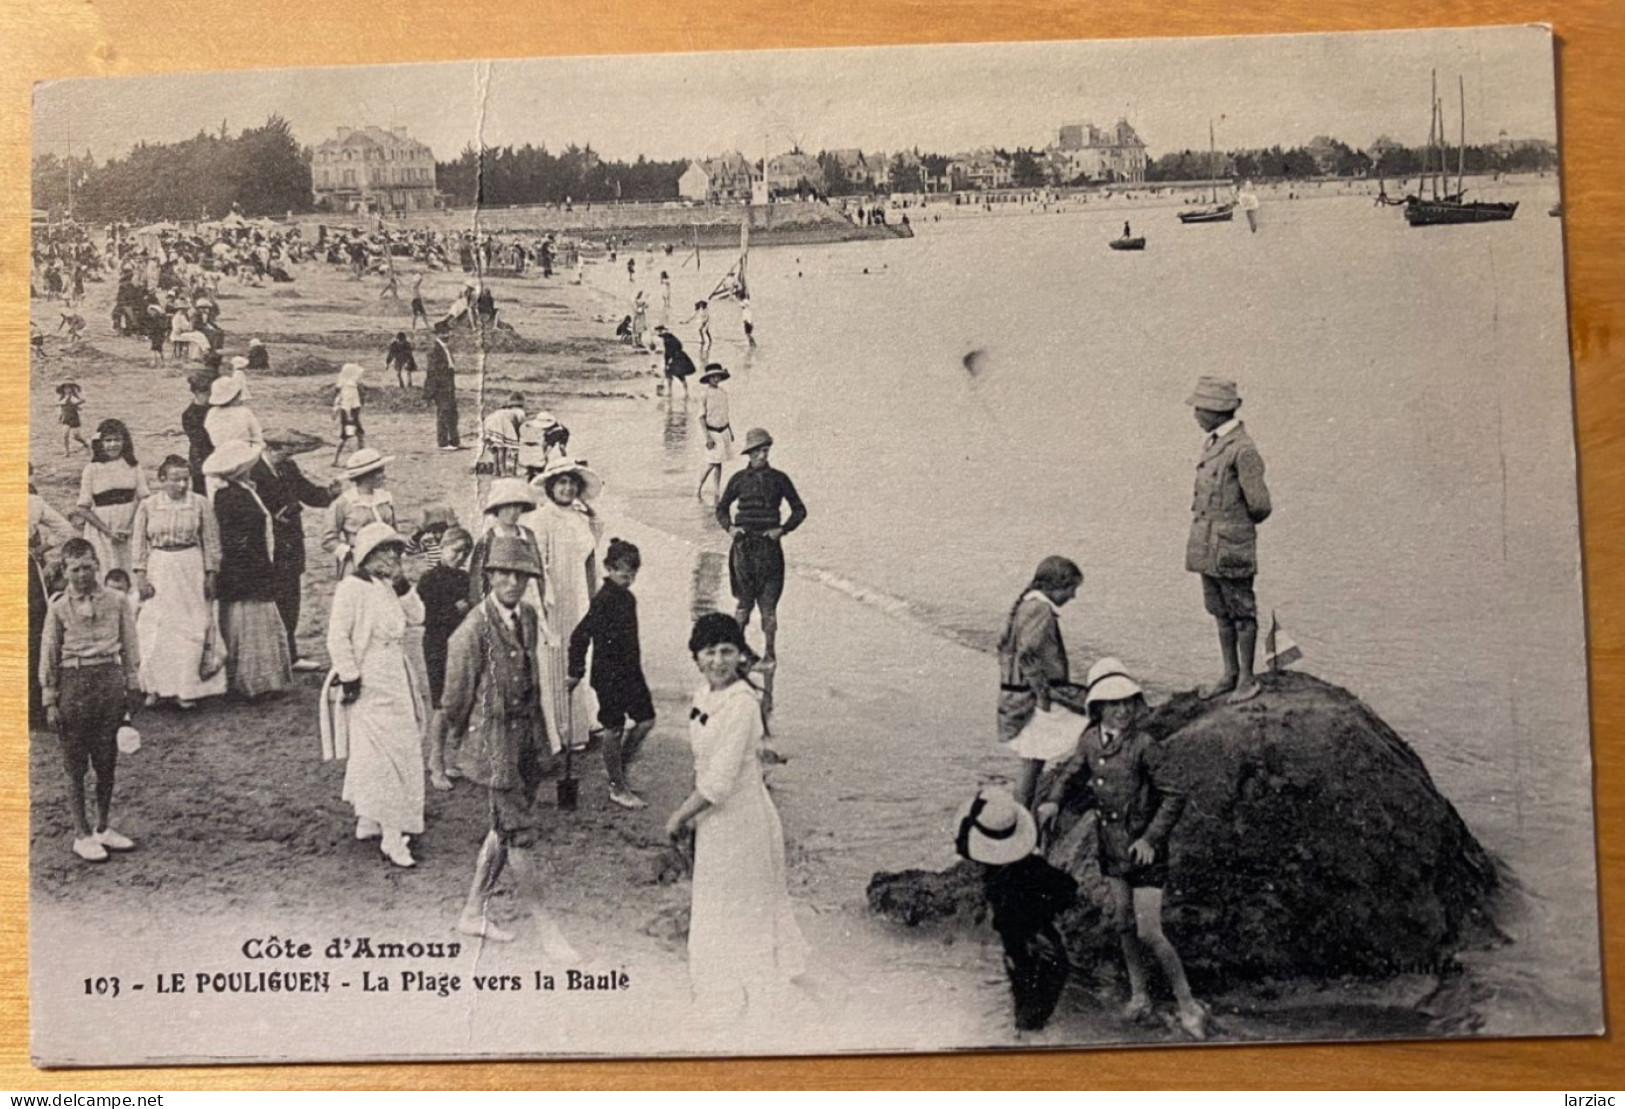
(1257, 92)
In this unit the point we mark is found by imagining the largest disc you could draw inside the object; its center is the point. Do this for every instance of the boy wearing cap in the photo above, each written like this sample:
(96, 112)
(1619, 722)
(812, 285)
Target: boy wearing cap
(492, 698)
(1231, 500)
(756, 561)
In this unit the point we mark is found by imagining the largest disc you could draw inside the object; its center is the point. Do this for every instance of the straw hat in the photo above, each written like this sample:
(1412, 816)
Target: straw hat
(509, 490)
(365, 461)
(372, 536)
(992, 828)
(224, 390)
(231, 459)
(1109, 681)
(511, 553)
(757, 438)
(238, 362)
(1215, 394)
(591, 483)
(714, 372)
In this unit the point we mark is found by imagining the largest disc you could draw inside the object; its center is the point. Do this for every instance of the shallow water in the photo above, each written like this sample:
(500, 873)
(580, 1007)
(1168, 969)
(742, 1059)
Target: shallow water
(1409, 390)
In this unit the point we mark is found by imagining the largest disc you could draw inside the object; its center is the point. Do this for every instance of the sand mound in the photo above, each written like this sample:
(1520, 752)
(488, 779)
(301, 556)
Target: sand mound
(306, 365)
(1313, 844)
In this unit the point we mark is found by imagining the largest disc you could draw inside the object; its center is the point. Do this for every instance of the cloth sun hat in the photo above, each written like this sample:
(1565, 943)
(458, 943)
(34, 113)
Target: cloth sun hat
(513, 554)
(994, 829)
(1215, 394)
(509, 490)
(757, 438)
(350, 373)
(591, 483)
(238, 362)
(224, 390)
(231, 459)
(374, 535)
(1108, 680)
(365, 461)
(714, 372)
(291, 440)
(544, 419)
(255, 343)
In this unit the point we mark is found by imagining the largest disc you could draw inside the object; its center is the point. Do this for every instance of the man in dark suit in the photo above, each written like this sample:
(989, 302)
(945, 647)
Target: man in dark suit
(285, 491)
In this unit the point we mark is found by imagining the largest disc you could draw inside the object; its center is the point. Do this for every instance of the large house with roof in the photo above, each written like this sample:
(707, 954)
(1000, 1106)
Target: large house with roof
(370, 168)
(727, 177)
(1089, 153)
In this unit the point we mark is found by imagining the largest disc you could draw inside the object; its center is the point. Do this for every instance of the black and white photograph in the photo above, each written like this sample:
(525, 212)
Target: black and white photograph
(884, 550)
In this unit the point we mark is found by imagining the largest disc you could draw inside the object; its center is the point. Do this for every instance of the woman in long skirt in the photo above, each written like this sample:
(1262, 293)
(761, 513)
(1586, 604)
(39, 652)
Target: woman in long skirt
(743, 941)
(109, 490)
(175, 555)
(365, 638)
(567, 530)
(256, 639)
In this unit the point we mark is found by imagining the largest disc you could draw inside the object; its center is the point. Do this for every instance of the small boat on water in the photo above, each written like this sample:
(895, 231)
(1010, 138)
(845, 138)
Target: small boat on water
(1445, 207)
(1214, 212)
(1128, 240)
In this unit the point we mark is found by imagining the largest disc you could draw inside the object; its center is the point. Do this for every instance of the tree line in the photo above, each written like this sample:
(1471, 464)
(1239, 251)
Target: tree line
(262, 170)
(532, 175)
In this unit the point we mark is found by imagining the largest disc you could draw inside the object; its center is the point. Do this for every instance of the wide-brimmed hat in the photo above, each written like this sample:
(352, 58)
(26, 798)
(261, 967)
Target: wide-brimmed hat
(511, 553)
(350, 373)
(371, 537)
(543, 419)
(292, 441)
(993, 828)
(1108, 680)
(757, 438)
(67, 387)
(591, 483)
(714, 372)
(365, 461)
(224, 390)
(509, 490)
(1215, 394)
(238, 362)
(231, 459)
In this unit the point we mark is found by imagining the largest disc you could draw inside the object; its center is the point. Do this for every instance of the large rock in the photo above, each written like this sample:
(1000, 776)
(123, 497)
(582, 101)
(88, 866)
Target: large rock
(1313, 843)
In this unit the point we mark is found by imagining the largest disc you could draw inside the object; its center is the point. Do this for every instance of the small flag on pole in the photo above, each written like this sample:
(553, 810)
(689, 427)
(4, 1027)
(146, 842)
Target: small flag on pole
(1279, 650)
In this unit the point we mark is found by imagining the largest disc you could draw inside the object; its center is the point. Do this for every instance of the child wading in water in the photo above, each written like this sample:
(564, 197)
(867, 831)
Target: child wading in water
(1136, 809)
(719, 436)
(1026, 894)
(610, 628)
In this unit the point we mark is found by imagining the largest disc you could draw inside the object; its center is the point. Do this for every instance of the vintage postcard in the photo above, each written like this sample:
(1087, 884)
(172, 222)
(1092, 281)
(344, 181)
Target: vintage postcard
(887, 550)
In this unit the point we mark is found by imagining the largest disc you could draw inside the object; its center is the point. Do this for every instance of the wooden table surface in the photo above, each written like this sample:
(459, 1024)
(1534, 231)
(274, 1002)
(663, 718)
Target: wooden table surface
(63, 38)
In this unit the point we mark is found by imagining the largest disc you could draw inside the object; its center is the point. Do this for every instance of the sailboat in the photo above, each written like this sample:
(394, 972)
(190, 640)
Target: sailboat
(732, 283)
(1214, 212)
(1446, 207)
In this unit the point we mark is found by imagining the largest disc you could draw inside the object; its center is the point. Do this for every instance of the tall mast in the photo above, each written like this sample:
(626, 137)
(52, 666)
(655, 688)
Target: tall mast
(1212, 163)
(1461, 151)
(1435, 135)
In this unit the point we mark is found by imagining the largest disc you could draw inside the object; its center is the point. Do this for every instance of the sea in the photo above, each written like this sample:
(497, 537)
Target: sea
(1002, 386)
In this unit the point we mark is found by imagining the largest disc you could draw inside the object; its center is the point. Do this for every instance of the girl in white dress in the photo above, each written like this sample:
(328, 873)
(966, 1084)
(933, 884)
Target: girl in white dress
(567, 531)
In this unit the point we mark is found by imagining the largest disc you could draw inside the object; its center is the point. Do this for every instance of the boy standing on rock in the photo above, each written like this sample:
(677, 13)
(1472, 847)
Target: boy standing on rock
(1231, 501)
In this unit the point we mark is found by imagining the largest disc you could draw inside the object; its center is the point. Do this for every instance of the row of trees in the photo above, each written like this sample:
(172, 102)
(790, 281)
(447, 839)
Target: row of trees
(1332, 158)
(262, 170)
(532, 175)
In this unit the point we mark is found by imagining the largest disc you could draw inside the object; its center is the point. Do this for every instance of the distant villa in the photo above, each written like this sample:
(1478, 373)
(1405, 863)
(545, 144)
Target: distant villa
(1084, 151)
(366, 169)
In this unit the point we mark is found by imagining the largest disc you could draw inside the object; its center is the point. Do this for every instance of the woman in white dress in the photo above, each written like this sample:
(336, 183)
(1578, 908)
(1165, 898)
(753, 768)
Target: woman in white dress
(175, 557)
(743, 940)
(567, 531)
(384, 777)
